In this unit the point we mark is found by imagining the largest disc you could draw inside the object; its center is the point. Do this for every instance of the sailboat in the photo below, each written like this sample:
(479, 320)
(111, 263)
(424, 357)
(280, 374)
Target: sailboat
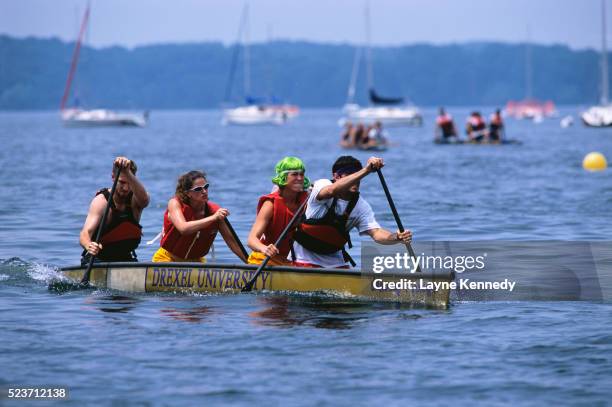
(256, 111)
(76, 117)
(601, 116)
(390, 111)
(530, 108)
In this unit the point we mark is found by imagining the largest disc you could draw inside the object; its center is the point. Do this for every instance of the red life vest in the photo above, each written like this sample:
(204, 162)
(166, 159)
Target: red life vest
(192, 246)
(328, 234)
(477, 123)
(445, 122)
(121, 235)
(281, 216)
(496, 120)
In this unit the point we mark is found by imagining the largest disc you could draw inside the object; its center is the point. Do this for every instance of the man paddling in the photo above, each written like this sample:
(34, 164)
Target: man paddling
(333, 209)
(122, 232)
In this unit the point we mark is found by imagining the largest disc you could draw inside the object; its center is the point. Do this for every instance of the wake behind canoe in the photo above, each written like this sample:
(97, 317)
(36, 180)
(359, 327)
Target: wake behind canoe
(230, 278)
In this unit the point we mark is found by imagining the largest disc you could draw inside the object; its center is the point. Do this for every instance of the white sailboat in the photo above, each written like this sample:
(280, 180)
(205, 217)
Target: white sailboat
(77, 117)
(391, 112)
(254, 112)
(601, 116)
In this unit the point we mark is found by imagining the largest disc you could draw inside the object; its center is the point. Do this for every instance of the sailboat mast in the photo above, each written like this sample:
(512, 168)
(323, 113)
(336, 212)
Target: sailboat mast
(247, 56)
(355, 71)
(528, 68)
(75, 59)
(604, 56)
(369, 47)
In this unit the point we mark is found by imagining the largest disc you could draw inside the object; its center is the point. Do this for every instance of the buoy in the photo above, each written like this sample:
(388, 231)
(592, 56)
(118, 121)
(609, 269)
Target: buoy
(594, 162)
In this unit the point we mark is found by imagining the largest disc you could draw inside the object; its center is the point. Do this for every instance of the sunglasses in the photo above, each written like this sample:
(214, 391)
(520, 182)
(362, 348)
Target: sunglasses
(200, 189)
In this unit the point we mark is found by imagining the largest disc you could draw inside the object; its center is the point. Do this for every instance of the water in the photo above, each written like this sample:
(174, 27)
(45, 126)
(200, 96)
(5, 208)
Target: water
(110, 347)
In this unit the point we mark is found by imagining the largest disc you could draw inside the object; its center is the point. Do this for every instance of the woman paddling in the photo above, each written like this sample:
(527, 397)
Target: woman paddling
(191, 223)
(275, 211)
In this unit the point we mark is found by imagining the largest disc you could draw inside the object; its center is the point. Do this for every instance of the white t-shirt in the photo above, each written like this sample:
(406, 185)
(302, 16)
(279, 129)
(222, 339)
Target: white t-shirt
(361, 217)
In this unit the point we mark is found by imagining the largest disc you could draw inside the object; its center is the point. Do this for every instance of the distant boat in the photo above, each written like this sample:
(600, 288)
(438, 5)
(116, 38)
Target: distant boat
(390, 111)
(601, 116)
(529, 107)
(256, 111)
(77, 117)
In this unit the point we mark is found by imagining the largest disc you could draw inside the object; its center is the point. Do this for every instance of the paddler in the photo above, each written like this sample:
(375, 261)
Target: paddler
(121, 234)
(496, 127)
(334, 208)
(445, 127)
(191, 223)
(476, 128)
(275, 211)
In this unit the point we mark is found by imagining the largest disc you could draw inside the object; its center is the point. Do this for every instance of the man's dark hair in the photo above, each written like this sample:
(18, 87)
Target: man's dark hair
(346, 164)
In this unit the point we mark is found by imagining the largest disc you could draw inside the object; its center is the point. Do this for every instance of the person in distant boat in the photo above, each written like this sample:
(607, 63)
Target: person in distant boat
(334, 208)
(375, 136)
(191, 223)
(346, 139)
(476, 128)
(122, 232)
(496, 127)
(445, 127)
(276, 210)
(359, 135)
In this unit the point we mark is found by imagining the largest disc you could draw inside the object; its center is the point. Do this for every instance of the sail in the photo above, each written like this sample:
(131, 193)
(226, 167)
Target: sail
(379, 100)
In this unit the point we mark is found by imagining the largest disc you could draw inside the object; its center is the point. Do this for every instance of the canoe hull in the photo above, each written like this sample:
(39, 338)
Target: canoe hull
(217, 278)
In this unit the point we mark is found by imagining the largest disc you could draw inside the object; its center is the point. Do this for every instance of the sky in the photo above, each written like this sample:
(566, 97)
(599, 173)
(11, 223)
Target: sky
(130, 23)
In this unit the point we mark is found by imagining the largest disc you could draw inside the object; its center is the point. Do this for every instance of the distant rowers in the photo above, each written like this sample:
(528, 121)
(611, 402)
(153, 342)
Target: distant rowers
(121, 234)
(346, 139)
(275, 211)
(333, 209)
(476, 128)
(191, 223)
(445, 127)
(496, 127)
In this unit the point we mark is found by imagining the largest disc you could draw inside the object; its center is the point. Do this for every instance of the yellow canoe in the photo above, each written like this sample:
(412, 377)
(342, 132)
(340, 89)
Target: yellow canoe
(230, 278)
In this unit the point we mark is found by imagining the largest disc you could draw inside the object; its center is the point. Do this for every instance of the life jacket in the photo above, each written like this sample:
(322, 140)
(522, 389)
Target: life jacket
(192, 246)
(445, 122)
(477, 123)
(281, 216)
(121, 236)
(327, 235)
(496, 120)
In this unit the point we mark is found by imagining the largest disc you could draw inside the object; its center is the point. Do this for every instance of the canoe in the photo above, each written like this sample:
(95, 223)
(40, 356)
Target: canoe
(230, 278)
(476, 143)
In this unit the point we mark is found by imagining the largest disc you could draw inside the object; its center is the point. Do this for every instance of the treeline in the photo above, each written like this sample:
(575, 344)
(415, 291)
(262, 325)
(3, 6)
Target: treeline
(177, 76)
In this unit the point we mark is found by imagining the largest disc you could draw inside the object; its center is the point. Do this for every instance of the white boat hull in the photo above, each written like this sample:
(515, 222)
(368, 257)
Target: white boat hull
(102, 118)
(254, 115)
(388, 116)
(598, 116)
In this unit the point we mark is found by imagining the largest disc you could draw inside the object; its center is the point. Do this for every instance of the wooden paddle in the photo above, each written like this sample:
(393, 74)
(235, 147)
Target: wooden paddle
(249, 286)
(235, 235)
(396, 216)
(85, 279)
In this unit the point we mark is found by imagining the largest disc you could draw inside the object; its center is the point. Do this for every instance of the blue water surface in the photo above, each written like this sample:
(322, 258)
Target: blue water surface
(112, 348)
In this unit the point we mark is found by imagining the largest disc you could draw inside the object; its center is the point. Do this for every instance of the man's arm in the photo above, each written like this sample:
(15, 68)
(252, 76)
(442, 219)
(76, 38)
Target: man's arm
(344, 184)
(140, 197)
(90, 227)
(383, 236)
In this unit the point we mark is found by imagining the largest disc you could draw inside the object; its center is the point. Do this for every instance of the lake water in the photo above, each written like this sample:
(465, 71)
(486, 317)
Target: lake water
(111, 347)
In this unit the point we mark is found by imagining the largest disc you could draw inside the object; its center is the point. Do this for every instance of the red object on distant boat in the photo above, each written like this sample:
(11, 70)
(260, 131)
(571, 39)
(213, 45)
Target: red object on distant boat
(530, 109)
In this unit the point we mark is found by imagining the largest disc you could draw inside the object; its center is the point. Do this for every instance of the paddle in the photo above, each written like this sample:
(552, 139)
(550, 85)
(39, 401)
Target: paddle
(249, 286)
(235, 235)
(85, 279)
(396, 216)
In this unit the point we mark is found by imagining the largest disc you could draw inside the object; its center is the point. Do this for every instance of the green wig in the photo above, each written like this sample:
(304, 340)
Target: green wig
(286, 165)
